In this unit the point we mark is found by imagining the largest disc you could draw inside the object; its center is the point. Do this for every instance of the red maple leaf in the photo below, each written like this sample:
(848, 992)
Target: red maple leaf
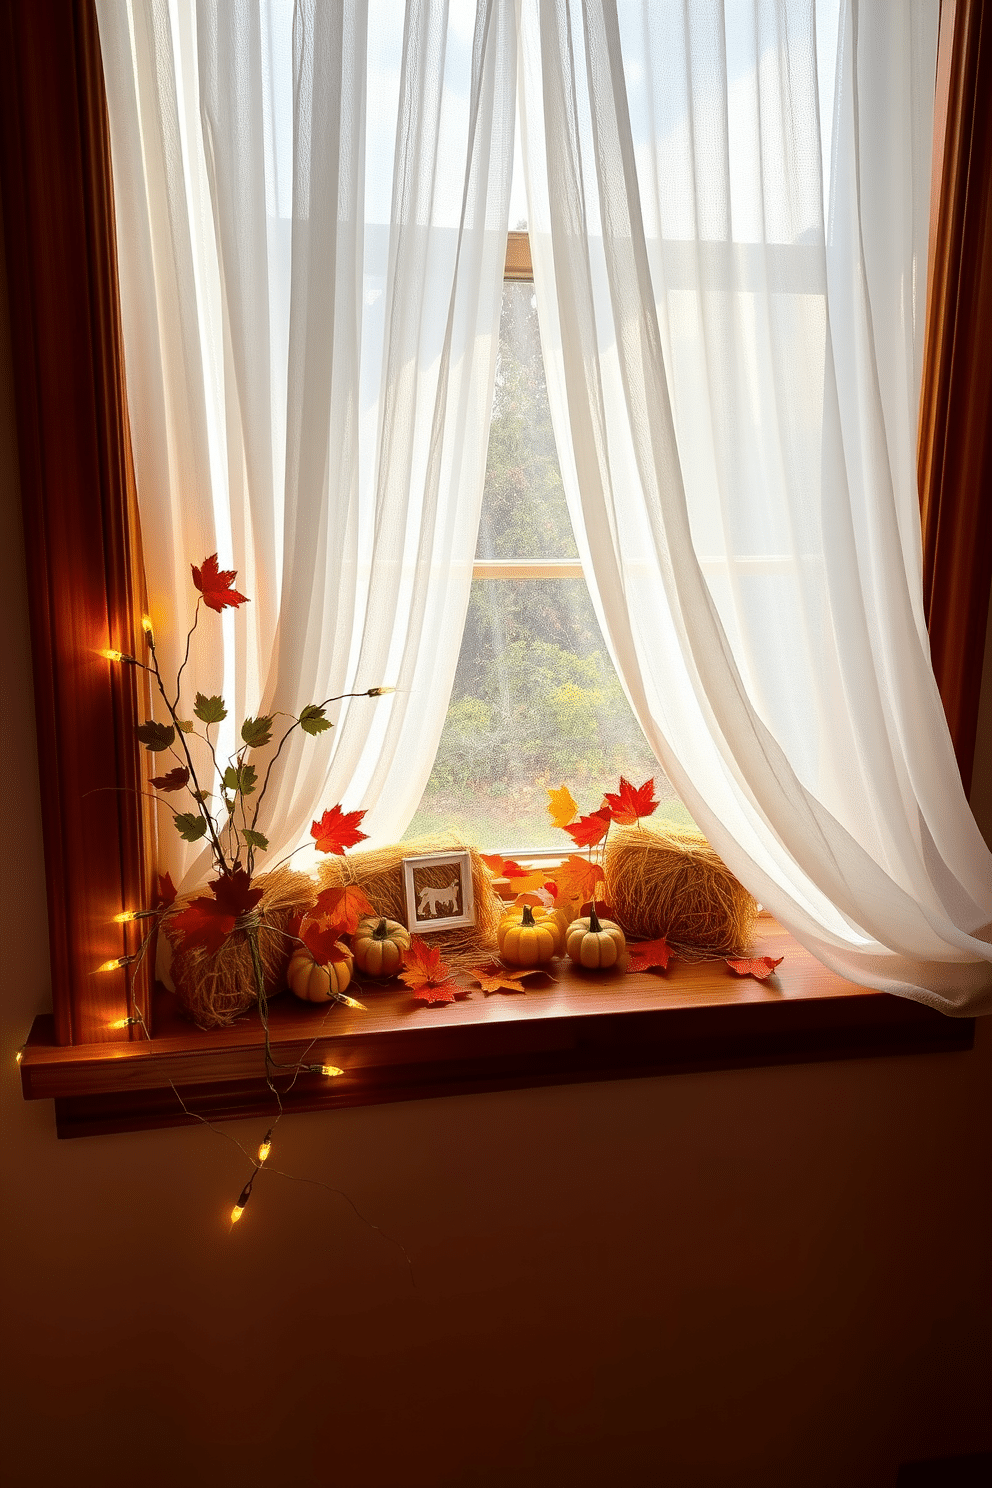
(761, 967)
(604, 910)
(166, 891)
(426, 974)
(649, 955)
(589, 830)
(215, 585)
(628, 805)
(342, 907)
(208, 922)
(337, 830)
(322, 942)
(175, 780)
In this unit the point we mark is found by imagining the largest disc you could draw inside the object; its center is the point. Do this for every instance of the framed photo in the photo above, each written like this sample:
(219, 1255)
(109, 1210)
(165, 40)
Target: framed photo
(439, 892)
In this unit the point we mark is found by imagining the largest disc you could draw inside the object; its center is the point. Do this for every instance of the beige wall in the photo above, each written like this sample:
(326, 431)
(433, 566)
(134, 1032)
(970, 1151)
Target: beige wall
(771, 1277)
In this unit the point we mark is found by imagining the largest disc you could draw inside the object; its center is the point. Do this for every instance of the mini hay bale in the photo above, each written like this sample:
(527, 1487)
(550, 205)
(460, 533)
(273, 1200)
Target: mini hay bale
(670, 882)
(379, 872)
(214, 990)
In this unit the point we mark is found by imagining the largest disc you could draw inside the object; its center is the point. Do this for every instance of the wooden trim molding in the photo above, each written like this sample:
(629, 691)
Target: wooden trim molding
(576, 1026)
(80, 513)
(955, 437)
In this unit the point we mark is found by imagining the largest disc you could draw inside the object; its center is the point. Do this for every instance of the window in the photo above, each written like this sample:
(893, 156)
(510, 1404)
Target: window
(84, 568)
(536, 700)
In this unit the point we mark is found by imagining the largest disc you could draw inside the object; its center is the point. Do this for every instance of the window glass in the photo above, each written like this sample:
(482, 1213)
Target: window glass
(536, 701)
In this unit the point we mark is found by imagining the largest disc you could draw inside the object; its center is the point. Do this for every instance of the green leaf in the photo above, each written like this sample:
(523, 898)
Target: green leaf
(255, 839)
(312, 720)
(156, 736)
(186, 724)
(191, 828)
(209, 709)
(256, 732)
(240, 778)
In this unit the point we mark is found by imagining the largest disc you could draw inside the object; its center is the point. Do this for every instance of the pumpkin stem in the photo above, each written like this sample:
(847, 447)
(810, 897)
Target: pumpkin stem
(381, 931)
(528, 916)
(594, 925)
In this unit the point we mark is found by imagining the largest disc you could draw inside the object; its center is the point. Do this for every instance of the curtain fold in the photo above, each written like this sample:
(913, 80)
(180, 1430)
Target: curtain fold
(312, 204)
(728, 208)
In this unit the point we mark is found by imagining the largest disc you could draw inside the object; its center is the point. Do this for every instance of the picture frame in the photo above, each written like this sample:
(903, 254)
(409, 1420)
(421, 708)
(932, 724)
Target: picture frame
(434, 883)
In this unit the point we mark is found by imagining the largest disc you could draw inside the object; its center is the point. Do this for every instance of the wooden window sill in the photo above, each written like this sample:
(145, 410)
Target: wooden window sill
(581, 1026)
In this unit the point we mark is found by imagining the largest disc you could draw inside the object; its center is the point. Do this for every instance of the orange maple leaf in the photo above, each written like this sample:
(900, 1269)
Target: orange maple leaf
(576, 878)
(427, 976)
(495, 977)
(649, 955)
(761, 967)
(342, 908)
(337, 830)
(629, 804)
(494, 863)
(215, 585)
(561, 807)
(589, 830)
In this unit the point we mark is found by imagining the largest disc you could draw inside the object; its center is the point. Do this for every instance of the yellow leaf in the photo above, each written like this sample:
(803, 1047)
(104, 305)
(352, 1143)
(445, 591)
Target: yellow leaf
(562, 808)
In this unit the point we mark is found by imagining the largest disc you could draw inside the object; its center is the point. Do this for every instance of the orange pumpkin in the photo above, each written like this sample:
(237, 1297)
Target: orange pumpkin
(379, 945)
(312, 982)
(530, 938)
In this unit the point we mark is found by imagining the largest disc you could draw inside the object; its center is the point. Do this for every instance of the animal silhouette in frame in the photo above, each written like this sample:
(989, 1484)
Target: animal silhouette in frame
(431, 900)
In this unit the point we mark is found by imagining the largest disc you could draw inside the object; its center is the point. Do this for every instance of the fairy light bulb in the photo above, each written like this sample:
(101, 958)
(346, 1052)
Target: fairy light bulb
(243, 1198)
(19, 1056)
(265, 1148)
(350, 1001)
(380, 691)
(116, 963)
(111, 654)
(146, 624)
(330, 1070)
(125, 917)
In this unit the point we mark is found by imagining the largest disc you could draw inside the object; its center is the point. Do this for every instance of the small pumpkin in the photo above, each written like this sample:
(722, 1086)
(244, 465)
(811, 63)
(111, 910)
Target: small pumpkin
(312, 982)
(529, 939)
(593, 942)
(379, 945)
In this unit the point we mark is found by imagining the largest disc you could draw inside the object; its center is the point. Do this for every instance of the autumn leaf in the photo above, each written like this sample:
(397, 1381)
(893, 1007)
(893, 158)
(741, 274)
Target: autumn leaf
(589, 830)
(216, 585)
(322, 942)
(629, 805)
(312, 719)
(649, 955)
(208, 922)
(427, 976)
(175, 780)
(576, 878)
(156, 736)
(255, 839)
(562, 808)
(256, 732)
(190, 827)
(209, 709)
(166, 891)
(760, 967)
(604, 910)
(337, 830)
(495, 977)
(494, 863)
(186, 725)
(342, 907)
(240, 778)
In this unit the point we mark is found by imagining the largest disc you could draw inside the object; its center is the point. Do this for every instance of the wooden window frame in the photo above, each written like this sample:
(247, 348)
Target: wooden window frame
(84, 581)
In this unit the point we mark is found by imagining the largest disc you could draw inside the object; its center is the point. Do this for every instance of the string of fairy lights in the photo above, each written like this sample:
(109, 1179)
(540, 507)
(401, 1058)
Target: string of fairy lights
(130, 962)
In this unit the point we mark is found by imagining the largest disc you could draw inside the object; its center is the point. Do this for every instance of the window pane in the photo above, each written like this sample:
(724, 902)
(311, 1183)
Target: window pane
(524, 514)
(536, 702)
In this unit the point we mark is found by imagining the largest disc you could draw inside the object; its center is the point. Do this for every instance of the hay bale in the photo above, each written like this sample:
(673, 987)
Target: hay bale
(379, 871)
(670, 882)
(214, 990)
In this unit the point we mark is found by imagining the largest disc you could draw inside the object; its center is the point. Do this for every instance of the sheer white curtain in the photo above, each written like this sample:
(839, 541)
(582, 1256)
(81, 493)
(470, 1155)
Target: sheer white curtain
(311, 211)
(729, 266)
